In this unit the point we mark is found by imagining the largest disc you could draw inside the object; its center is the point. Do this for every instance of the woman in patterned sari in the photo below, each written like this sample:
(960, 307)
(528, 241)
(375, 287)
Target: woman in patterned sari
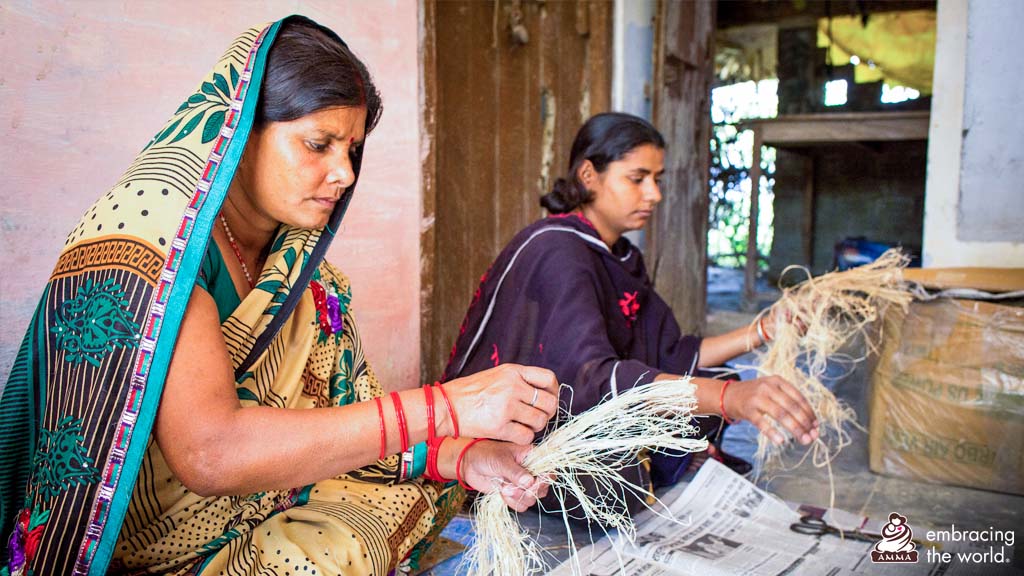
(181, 406)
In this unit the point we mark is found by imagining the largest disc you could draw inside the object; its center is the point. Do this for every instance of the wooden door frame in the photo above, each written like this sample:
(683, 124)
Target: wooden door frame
(677, 243)
(428, 187)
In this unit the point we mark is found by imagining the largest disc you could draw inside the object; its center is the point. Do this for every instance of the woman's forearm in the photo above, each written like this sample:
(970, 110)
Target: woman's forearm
(263, 448)
(717, 350)
(448, 456)
(768, 402)
(708, 392)
(215, 446)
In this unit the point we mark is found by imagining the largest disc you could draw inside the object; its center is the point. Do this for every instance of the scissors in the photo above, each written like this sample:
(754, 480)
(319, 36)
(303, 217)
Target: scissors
(815, 526)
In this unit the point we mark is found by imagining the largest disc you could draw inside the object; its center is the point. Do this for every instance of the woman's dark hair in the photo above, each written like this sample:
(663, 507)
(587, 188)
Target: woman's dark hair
(604, 139)
(310, 68)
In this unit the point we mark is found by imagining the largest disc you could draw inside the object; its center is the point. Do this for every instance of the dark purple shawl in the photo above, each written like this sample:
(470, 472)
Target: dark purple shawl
(557, 297)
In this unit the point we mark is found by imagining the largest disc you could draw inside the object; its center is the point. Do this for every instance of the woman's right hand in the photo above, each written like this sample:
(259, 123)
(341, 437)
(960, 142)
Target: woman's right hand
(491, 466)
(508, 402)
(768, 401)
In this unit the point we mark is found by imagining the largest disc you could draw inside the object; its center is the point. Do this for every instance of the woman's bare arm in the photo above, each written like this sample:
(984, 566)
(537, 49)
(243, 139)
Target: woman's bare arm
(217, 447)
(717, 350)
(762, 401)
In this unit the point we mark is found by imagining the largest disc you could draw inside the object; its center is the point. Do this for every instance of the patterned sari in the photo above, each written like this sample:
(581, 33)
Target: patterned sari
(83, 488)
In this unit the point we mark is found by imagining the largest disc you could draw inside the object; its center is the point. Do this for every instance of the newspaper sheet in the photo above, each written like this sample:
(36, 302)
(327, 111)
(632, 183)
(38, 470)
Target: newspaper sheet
(725, 525)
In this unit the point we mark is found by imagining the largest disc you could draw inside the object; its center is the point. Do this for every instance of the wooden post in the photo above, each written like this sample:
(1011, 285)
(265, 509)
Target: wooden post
(750, 271)
(677, 243)
(808, 223)
(429, 349)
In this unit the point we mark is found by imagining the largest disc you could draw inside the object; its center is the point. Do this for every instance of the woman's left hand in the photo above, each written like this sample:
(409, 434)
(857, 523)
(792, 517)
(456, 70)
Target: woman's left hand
(491, 466)
(775, 317)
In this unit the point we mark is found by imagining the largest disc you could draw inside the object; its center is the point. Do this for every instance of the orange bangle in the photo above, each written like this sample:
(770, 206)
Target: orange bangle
(428, 395)
(458, 465)
(403, 430)
(451, 411)
(721, 402)
(433, 448)
(383, 430)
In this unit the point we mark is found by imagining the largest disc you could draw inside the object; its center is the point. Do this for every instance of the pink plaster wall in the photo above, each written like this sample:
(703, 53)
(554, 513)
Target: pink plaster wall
(84, 85)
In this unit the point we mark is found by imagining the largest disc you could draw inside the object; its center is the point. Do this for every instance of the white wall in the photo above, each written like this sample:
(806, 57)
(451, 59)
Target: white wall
(971, 42)
(634, 44)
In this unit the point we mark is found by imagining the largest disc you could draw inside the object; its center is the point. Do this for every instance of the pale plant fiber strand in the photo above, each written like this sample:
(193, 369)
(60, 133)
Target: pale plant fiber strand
(836, 308)
(596, 443)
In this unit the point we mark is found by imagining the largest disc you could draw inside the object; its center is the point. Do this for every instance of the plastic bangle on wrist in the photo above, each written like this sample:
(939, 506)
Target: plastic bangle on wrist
(761, 333)
(433, 449)
(403, 430)
(458, 465)
(383, 430)
(428, 395)
(451, 410)
(721, 402)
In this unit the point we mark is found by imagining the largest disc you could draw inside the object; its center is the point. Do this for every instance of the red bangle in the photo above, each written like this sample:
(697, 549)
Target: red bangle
(428, 395)
(458, 464)
(433, 449)
(383, 430)
(451, 411)
(403, 430)
(721, 402)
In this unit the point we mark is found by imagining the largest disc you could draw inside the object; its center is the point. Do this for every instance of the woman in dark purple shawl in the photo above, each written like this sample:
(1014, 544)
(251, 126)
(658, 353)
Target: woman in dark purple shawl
(571, 294)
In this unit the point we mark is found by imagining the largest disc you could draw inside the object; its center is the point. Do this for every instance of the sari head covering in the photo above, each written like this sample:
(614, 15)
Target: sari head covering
(83, 489)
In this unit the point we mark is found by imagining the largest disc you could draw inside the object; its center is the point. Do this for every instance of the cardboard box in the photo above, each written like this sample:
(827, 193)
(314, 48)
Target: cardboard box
(987, 279)
(947, 398)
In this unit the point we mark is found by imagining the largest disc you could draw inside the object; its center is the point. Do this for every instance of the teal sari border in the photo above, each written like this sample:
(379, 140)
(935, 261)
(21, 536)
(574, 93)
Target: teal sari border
(41, 334)
(419, 460)
(21, 406)
(177, 302)
(40, 352)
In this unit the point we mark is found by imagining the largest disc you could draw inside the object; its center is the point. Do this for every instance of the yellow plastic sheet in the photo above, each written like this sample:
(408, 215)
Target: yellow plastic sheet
(900, 45)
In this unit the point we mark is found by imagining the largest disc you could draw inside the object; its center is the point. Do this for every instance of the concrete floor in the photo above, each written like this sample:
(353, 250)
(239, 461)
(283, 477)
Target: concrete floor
(857, 489)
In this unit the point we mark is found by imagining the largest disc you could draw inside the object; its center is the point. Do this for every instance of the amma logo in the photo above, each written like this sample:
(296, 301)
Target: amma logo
(897, 544)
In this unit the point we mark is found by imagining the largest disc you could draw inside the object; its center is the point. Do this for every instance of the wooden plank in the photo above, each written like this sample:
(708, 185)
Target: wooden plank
(501, 110)
(789, 12)
(677, 244)
(986, 279)
(467, 165)
(845, 116)
(807, 240)
(515, 131)
(750, 268)
(428, 238)
(599, 58)
(799, 129)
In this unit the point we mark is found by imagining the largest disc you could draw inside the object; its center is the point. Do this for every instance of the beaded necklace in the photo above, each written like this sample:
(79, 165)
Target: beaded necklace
(238, 253)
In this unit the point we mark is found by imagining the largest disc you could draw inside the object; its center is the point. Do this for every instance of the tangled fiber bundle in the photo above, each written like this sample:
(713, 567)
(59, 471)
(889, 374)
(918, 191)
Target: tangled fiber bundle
(596, 443)
(835, 308)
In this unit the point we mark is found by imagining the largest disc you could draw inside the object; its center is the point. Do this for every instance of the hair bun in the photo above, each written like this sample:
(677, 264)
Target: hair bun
(558, 201)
